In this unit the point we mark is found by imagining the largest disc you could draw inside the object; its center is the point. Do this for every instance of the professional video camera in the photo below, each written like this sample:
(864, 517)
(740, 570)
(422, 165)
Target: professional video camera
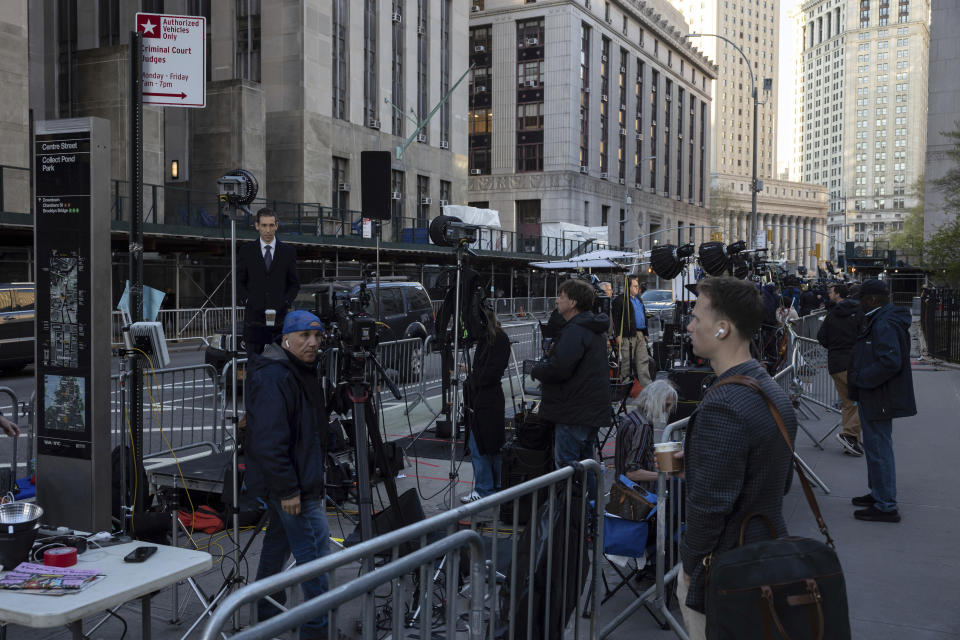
(602, 302)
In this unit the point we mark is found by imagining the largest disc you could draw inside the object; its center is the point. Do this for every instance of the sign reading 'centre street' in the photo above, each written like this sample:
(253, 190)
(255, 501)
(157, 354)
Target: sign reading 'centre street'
(174, 59)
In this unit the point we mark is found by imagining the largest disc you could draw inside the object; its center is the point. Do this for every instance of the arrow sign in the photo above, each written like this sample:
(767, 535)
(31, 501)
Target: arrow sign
(180, 95)
(174, 59)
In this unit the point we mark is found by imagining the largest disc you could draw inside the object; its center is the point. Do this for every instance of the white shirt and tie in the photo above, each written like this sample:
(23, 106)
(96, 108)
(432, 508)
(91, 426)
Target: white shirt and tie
(268, 251)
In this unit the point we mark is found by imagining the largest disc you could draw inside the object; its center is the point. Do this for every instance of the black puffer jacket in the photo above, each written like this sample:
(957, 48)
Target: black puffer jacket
(284, 446)
(880, 378)
(838, 333)
(575, 376)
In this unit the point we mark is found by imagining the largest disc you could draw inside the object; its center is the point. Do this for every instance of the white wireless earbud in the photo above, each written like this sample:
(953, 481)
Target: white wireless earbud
(286, 343)
(719, 333)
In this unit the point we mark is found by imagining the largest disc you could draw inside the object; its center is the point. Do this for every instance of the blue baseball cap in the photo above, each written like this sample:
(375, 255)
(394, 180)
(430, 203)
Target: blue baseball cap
(301, 321)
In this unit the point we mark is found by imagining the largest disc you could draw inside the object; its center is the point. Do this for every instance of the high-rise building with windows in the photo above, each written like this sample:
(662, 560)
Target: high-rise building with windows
(296, 89)
(792, 215)
(863, 110)
(589, 112)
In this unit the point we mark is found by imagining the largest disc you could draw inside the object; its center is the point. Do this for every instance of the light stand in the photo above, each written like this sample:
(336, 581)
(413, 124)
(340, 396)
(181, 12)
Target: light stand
(455, 378)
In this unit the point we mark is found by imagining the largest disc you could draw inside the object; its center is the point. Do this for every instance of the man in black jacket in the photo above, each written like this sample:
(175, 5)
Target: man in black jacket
(838, 333)
(286, 417)
(881, 382)
(630, 333)
(576, 388)
(736, 460)
(267, 282)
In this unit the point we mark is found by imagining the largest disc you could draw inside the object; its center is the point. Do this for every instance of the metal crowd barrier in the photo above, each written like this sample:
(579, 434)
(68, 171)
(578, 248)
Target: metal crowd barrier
(526, 340)
(405, 357)
(812, 383)
(14, 416)
(504, 591)
(181, 409)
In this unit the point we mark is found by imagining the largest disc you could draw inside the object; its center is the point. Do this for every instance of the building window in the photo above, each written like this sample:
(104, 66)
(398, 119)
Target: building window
(480, 116)
(622, 118)
(703, 149)
(680, 114)
(864, 14)
(530, 52)
(690, 165)
(584, 95)
(396, 202)
(445, 69)
(398, 69)
(423, 64)
(371, 106)
(654, 107)
(604, 104)
(338, 74)
(638, 126)
(445, 191)
(248, 41)
(528, 225)
(423, 200)
(667, 97)
(341, 187)
(604, 215)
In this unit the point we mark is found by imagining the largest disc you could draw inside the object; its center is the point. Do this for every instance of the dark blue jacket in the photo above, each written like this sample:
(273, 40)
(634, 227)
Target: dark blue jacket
(284, 442)
(879, 376)
(576, 374)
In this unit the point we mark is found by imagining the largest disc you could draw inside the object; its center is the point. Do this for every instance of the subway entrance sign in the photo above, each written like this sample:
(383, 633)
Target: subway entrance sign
(174, 59)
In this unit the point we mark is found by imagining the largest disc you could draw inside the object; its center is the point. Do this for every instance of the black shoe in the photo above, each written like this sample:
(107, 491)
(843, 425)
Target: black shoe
(872, 514)
(851, 446)
(863, 501)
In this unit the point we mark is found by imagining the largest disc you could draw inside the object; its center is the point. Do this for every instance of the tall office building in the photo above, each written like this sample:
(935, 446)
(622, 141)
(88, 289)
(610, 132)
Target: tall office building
(296, 89)
(791, 214)
(589, 112)
(862, 129)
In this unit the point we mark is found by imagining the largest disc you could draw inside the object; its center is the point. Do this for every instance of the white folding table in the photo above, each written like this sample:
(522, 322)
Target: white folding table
(124, 582)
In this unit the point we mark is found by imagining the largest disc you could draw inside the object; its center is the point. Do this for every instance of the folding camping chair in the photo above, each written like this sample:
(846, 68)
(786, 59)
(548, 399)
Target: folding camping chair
(626, 547)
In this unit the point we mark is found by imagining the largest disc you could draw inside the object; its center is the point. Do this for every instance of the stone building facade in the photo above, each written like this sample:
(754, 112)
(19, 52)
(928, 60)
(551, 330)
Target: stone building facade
(592, 113)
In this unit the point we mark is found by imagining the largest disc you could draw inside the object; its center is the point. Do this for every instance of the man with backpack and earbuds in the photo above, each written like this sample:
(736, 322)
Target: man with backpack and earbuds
(735, 459)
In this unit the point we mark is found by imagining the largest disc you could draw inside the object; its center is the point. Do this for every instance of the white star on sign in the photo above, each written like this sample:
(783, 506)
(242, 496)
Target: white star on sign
(148, 27)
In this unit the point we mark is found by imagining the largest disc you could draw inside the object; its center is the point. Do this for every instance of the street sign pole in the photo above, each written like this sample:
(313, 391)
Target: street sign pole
(135, 412)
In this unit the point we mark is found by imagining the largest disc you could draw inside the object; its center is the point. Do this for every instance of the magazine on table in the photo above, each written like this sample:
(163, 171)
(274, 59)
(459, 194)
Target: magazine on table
(39, 578)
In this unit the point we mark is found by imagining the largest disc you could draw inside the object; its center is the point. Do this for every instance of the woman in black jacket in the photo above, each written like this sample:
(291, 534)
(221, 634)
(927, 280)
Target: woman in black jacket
(483, 397)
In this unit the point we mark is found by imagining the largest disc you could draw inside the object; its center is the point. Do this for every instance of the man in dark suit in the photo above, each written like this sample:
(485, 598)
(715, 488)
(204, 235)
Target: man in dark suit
(736, 460)
(267, 282)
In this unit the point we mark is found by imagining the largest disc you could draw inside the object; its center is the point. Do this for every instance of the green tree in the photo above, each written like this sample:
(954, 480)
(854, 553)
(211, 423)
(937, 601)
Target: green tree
(909, 241)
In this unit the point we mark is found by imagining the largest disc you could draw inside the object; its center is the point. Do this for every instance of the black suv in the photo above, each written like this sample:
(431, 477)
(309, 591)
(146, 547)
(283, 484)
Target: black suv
(405, 309)
(16, 325)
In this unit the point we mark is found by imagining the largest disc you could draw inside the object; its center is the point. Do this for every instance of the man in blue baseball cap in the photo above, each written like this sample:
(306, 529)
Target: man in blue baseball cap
(286, 417)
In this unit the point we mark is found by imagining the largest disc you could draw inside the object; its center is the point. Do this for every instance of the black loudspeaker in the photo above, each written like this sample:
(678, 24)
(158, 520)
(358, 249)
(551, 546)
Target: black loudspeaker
(518, 465)
(375, 184)
(407, 511)
(691, 385)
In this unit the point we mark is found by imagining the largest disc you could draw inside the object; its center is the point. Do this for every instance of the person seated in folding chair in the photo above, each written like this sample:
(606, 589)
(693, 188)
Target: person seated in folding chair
(633, 455)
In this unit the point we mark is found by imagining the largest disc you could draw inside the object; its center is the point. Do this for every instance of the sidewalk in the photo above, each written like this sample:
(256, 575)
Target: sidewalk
(903, 580)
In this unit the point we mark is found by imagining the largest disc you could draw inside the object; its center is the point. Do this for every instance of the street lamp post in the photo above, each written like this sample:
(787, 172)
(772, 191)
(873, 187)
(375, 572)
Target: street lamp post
(755, 185)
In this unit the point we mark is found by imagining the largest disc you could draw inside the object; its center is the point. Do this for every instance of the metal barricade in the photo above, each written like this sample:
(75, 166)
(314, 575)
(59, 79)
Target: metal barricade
(217, 320)
(181, 406)
(405, 357)
(813, 384)
(224, 386)
(525, 339)
(420, 561)
(14, 443)
(504, 591)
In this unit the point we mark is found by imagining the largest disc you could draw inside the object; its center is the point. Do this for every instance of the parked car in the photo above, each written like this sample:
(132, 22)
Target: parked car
(659, 303)
(405, 311)
(17, 309)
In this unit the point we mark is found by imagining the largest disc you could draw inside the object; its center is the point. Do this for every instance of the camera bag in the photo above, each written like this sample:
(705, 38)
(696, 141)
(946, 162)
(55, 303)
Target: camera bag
(789, 587)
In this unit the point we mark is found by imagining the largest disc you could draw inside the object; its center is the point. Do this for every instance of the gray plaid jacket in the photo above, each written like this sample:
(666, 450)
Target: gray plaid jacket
(736, 464)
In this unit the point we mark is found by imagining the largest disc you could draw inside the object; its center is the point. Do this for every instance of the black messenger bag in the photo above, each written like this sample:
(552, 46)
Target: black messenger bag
(790, 588)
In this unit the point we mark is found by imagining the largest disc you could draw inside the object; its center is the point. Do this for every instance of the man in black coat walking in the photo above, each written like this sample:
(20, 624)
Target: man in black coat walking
(736, 460)
(267, 283)
(576, 388)
(838, 333)
(881, 382)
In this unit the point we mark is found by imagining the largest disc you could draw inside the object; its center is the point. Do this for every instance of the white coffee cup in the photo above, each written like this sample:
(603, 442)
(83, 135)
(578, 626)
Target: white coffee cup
(665, 460)
(270, 316)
